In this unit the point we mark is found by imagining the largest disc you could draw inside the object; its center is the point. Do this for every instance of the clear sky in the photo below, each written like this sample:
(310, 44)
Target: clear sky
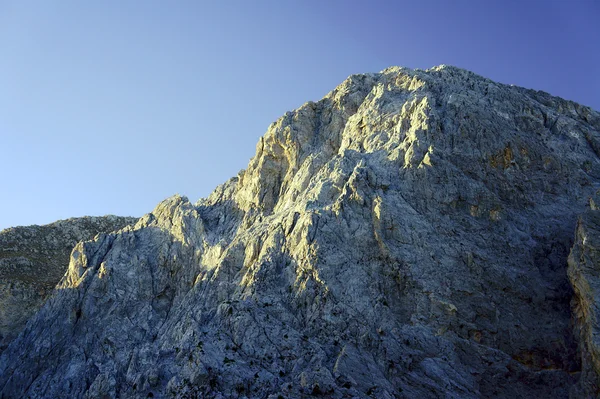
(108, 107)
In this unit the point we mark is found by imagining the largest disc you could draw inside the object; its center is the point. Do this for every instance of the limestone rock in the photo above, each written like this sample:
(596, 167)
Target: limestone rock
(584, 273)
(33, 259)
(406, 236)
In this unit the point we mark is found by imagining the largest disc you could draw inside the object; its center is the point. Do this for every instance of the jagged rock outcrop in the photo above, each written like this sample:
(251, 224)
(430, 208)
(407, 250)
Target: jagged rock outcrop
(584, 273)
(406, 236)
(33, 259)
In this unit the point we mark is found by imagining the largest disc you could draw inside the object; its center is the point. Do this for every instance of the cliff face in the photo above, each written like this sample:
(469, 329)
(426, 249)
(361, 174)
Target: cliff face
(584, 273)
(406, 236)
(33, 259)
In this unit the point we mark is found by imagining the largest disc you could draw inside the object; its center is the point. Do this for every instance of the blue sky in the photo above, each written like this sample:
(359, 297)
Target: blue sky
(108, 107)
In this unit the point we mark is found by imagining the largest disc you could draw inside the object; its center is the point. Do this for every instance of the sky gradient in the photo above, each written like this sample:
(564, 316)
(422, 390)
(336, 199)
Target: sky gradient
(109, 107)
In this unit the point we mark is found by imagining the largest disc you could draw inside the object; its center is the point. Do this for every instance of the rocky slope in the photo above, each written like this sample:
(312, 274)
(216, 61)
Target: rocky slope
(406, 236)
(33, 259)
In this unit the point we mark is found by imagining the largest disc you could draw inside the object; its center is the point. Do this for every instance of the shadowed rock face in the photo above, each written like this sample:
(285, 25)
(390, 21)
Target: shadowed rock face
(406, 236)
(33, 259)
(584, 273)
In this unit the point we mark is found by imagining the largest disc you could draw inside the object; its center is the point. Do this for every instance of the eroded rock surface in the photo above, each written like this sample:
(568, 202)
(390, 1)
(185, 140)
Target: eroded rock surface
(404, 237)
(584, 273)
(33, 259)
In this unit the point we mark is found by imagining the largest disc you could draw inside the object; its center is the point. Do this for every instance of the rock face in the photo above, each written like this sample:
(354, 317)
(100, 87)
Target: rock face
(405, 237)
(584, 273)
(33, 259)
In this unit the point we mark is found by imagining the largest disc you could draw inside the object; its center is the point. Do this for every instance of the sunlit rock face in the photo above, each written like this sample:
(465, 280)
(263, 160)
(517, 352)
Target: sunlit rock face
(405, 237)
(33, 259)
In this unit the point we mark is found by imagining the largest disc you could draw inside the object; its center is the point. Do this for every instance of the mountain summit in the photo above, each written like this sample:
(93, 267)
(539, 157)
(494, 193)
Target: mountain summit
(406, 236)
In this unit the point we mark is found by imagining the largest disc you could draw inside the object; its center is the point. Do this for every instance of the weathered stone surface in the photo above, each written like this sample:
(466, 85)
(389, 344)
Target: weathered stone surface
(406, 236)
(584, 273)
(33, 259)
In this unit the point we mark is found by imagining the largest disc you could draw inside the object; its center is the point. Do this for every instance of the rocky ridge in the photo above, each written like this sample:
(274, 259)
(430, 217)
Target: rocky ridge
(406, 236)
(33, 259)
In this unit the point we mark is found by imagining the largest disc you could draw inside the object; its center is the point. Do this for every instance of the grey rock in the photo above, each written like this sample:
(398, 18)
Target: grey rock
(584, 273)
(406, 236)
(33, 259)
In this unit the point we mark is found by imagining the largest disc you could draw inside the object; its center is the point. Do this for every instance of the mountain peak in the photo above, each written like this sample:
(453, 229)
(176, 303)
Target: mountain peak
(406, 235)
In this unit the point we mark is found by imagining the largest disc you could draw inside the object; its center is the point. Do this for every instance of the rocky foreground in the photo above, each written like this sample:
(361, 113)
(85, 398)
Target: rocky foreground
(406, 236)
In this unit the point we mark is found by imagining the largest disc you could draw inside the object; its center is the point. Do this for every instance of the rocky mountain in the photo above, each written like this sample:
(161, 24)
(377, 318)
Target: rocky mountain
(33, 259)
(406, 236)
